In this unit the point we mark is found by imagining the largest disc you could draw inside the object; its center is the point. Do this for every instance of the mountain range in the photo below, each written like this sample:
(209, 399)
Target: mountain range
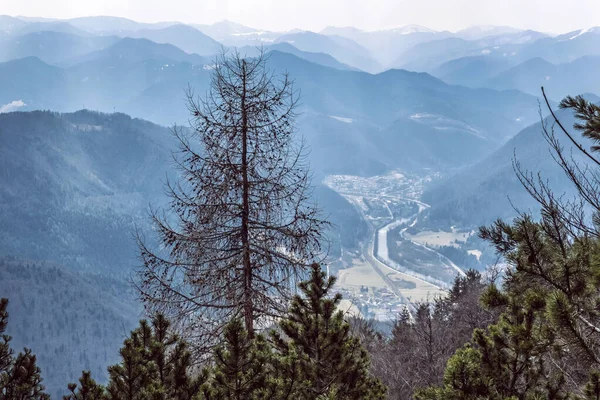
(496, 57)
(147, 80)
(76, 182)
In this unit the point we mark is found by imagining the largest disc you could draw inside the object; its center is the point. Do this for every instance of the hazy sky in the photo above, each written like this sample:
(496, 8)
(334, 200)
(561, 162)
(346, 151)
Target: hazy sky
(544, 15)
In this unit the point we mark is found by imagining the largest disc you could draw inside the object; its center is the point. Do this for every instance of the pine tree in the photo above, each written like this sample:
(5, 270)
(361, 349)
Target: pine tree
(173, 362)
(326, 360)
(241, 366)
(184, 382)
(155, 364)
(463, 379)
(245, 223)
(24, 381)
(20, 377)
(135, 377)
(505, 361)
(562, 269)
(87, 389)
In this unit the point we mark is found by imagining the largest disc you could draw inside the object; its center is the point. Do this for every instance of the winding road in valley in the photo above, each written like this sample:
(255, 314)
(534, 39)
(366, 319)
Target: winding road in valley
(377, 255)
(371, 197)
(382, 248)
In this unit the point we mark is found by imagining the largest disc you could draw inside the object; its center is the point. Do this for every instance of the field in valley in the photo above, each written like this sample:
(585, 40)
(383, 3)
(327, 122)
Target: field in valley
(439, 238)
(363, 274)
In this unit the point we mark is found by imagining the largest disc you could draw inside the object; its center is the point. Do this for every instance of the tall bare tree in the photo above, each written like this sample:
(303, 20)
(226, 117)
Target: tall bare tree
(242, 227)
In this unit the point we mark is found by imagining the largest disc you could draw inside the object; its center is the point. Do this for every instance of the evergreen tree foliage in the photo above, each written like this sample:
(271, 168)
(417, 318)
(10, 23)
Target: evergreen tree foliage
(422, 342)
(20, 377)
(242, 366)
(135, 377)
(328, 362)
(505, 361)
(547, 341)
(88, 389)
(155, 364)
(589, 114)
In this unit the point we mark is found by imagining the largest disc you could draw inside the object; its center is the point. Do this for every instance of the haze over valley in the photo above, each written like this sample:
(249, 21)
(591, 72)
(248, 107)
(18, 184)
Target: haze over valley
(412, 133)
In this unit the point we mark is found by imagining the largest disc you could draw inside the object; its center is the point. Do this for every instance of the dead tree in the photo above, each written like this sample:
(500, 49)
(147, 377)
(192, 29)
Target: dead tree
(242, 227)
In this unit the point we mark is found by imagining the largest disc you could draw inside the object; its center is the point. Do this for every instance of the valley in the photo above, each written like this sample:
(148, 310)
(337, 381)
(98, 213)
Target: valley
(382, 280)
(411, 136)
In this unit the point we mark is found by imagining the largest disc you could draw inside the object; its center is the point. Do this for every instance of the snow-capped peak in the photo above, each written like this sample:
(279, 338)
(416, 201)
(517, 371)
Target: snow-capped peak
(595, 29)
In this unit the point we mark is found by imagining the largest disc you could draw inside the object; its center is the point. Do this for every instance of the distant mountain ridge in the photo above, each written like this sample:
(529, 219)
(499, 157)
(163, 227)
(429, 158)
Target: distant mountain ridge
(52, 47)
(408, 46)
(147, 80)
(342, 49)
(560, 79)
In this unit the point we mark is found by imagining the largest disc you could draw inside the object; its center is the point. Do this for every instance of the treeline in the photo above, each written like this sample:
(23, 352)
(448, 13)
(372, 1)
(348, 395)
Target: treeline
(310, 354)
(529, 339)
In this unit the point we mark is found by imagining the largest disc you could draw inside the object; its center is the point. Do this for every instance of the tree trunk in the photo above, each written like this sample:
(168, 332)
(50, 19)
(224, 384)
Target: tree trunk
(247, 267)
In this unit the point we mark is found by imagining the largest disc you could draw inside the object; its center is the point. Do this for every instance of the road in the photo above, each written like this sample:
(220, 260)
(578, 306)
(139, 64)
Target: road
(379, 266)
(380, 257)
(384, 191)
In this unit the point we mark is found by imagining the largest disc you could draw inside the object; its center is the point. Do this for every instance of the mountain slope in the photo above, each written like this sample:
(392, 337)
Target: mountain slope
(342, 49)
(66, 175)
(35, 83)
(471, 198)
(51, 47)
(563, 48)
(10, 24)
(130, 50)
(428, 56)
(474, 71)
(185, 37)
(72, 322)
(50, 26)
(560, 80)
(386, 97)
(323, 59)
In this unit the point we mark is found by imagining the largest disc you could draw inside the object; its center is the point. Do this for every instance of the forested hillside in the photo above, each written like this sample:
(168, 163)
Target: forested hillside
(78, 187)
(201, 211)
(73, 321)
(470, 197)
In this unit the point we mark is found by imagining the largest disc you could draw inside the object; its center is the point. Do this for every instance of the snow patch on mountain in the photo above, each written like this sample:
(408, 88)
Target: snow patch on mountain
(342, 119)
(12, 106)
(584, 31)
(441, 123)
